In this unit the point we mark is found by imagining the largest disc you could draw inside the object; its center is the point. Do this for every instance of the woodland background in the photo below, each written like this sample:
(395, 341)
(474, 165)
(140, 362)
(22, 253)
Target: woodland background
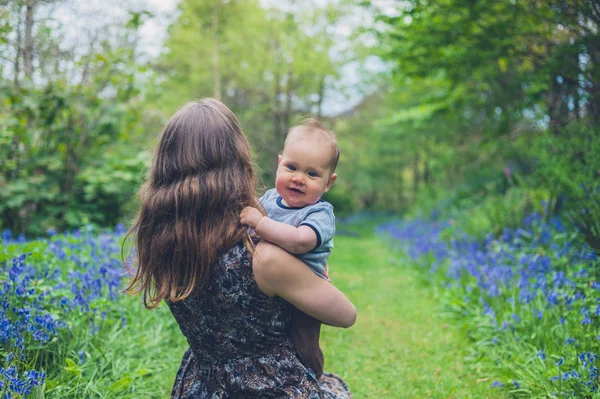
(467, 204)
(435, 103)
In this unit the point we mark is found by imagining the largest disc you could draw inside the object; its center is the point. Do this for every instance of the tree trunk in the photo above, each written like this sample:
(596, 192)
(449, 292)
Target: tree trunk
(28, 50)
(553, 105)
(416, 175)
(277, 123)
(593, 107)
(19, 50)
(277, 107)
(276, 112)
(288, 103)
(215, 56)
(575, 92)
(321, 96)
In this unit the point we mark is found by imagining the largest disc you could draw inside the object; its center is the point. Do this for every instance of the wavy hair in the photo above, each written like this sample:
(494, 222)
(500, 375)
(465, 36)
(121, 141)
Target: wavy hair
(200, 180)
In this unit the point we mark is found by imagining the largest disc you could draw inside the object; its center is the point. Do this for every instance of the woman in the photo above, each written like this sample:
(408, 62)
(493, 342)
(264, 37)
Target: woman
(193, 253)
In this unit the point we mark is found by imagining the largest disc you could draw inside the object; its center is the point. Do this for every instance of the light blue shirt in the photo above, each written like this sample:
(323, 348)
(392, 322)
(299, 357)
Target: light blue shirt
(318, 217)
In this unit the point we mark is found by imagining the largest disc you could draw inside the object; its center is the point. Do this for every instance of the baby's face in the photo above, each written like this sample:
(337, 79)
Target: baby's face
(303, 172)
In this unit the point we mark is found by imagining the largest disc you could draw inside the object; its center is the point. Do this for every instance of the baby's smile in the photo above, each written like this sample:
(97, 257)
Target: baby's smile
(296, 190)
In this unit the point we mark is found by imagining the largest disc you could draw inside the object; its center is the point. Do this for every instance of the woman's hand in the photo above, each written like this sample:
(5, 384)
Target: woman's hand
(278, 273)
(250, 216)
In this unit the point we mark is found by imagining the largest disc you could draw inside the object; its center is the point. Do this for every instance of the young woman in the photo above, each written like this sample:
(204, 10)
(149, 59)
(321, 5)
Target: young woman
(192, 252)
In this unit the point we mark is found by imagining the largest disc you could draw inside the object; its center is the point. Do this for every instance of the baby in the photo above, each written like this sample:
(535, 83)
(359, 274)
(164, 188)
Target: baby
(298, 220)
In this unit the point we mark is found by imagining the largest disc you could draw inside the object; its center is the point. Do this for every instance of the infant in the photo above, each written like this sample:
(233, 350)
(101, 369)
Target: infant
(298, 220)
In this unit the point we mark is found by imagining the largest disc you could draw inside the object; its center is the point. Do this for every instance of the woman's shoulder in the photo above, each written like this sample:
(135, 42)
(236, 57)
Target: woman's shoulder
(238, 254)
(235, 253)
(233, 268)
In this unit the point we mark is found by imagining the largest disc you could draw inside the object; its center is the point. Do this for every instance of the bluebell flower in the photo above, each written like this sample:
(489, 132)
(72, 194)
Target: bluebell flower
(6, 236)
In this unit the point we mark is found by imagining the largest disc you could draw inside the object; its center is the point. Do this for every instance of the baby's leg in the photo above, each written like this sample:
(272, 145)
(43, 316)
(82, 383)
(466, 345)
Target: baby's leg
(304, 333)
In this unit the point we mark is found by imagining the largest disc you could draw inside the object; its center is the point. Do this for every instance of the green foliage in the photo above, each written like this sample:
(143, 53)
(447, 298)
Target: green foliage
(535, 337)
(271, 67)
(586, 218)
(492, 213)
(68, 153)
(560, 163)
(480, 87)
(51, 169)
(343, 201)
(467, 90)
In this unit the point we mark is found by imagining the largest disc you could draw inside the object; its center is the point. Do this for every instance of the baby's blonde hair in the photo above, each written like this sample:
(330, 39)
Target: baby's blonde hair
(312, 126)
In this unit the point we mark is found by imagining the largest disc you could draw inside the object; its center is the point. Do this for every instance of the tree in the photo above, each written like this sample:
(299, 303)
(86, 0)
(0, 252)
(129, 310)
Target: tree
(62, 113)
(264, 64)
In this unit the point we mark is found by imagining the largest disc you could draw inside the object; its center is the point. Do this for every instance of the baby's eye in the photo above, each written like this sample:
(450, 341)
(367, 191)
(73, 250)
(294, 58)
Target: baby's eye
(291, 167)
(313, 174)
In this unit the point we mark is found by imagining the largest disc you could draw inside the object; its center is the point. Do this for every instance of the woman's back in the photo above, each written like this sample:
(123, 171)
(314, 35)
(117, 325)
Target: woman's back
(238, 339)
(230, 317)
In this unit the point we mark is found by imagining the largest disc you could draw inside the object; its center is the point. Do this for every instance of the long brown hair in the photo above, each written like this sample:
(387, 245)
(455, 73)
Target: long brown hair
(200, 180)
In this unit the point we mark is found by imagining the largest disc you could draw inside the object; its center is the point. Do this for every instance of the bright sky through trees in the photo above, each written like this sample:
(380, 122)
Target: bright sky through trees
(86, 15)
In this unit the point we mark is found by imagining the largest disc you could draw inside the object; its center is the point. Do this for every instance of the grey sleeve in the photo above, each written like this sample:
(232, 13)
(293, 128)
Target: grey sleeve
(322, 221)
(267, 196)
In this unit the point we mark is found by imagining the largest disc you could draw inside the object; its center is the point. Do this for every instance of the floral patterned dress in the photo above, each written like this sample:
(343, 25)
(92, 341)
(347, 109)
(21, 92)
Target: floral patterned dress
(239, 343)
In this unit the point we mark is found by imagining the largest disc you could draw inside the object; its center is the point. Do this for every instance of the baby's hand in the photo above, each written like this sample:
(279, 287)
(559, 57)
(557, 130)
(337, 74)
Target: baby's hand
(250, 216)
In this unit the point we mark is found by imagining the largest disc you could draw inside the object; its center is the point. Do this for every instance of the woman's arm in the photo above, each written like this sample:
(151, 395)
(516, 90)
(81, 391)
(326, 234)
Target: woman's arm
(279, 273)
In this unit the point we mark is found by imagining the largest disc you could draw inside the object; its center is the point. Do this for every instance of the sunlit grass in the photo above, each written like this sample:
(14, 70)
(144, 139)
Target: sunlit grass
(400, 346)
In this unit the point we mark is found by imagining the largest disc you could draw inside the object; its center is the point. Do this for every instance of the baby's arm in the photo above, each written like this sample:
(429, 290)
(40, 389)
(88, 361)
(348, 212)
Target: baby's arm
(296, 240)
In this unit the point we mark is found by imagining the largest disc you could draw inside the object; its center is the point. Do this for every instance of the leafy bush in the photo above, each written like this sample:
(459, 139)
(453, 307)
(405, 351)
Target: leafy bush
(586, 219)
(344, 203)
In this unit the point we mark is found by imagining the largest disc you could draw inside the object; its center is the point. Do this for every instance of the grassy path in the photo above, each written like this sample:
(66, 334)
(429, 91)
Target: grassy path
(399, 347)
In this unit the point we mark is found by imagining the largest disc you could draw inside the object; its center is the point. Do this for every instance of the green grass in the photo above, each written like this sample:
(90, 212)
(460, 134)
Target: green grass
(400, 346)
(139, 360)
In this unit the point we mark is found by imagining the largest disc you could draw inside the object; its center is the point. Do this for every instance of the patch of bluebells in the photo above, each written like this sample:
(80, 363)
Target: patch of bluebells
(76, 277)
(11, 383)
(527, 277)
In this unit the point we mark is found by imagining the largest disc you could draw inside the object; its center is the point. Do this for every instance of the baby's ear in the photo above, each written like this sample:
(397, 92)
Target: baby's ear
(330, 182)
